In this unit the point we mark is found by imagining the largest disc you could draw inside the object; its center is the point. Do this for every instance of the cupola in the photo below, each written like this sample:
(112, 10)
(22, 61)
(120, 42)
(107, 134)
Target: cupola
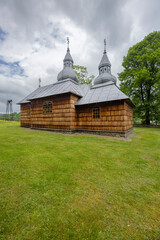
(67, 71)
(104, 69)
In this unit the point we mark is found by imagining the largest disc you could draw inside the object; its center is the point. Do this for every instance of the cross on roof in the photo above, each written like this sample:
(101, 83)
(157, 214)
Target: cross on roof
(67, 43)
(105, 45)
(39, 82)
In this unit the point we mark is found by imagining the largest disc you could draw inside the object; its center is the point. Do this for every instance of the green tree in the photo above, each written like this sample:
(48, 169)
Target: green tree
(140, 79)
(14, 116)
(82, 74)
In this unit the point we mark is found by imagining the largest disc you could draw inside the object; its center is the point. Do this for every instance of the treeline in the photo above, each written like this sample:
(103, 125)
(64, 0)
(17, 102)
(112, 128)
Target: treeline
(14, 116)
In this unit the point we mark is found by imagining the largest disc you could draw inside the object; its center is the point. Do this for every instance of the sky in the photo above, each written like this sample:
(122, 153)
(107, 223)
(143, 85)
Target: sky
(33, 38)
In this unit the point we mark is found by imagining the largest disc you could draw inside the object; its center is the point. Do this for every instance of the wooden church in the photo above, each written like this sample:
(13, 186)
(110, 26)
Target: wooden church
(68, 106)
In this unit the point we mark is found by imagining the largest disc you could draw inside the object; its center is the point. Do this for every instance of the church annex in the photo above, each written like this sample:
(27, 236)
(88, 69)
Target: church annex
(68, 106)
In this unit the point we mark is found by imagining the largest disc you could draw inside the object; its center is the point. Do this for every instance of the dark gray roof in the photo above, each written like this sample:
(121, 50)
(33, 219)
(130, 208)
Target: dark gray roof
(38, 90)
(102, 93)
(61, 87)
(98, 93)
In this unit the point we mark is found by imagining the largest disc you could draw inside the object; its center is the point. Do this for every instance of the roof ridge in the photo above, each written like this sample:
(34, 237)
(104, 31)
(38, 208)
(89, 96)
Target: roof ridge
(103, 85)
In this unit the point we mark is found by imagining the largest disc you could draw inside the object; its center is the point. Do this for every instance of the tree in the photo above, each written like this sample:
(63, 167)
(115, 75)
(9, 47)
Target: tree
(140, 79)
(82, 74)
(15, 116)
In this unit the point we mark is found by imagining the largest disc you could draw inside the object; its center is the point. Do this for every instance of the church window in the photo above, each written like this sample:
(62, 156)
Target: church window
(96, 112)
(47, 107)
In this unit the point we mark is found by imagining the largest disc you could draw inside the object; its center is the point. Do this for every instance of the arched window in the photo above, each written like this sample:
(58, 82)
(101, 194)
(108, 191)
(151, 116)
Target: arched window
(47, 107)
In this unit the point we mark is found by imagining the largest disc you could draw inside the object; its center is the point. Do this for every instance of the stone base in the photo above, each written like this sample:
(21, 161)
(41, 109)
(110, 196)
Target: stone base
(26, 126)
(121, 134)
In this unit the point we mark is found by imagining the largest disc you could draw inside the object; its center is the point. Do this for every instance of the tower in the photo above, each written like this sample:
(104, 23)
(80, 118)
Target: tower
(9, 110)
(67, 71)
(104, 69)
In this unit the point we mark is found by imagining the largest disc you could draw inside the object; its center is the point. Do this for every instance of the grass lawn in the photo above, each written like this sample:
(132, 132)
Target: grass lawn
(55, 186)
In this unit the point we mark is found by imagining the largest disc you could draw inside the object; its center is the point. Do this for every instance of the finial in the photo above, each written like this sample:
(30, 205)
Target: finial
(67, 44)
(105, 45)
(39, 82)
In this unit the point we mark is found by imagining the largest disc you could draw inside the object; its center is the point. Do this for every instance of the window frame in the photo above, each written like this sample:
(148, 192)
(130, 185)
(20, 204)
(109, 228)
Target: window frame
(49, 106)
(97, 115)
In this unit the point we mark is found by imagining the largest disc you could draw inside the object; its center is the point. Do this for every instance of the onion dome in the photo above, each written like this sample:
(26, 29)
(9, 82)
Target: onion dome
(67, 71)
(104, 69)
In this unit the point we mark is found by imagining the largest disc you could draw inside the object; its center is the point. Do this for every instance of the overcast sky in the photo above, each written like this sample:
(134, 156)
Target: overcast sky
(33, 38)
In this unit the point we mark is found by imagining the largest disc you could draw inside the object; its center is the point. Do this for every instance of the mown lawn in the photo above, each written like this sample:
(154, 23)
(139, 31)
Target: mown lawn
(55, 186)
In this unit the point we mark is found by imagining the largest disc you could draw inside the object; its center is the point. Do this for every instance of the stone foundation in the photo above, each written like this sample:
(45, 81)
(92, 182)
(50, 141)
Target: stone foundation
(122, 134)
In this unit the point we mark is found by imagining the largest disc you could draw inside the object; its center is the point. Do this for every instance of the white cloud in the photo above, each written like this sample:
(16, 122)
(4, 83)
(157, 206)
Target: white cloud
(37, 32)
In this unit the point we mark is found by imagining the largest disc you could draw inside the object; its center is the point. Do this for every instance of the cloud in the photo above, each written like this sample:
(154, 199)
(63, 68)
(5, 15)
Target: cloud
(3, 35)
(10, 69)
(33, 35)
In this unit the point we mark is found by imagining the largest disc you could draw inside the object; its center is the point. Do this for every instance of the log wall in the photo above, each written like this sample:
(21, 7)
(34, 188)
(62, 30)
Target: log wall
(63, 114)
(128, 116)
(114, 116)
(25, 120)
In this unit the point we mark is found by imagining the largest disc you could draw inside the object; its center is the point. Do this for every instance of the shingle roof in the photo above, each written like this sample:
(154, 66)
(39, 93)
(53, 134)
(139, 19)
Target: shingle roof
(38, 90)
(61, 87)
(96, 94)
(102, 93)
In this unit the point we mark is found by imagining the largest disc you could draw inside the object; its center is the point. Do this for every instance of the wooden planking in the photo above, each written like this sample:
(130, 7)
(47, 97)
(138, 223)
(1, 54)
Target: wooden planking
(25, 115)
(114, 116)
(128, 115)
(63, 114)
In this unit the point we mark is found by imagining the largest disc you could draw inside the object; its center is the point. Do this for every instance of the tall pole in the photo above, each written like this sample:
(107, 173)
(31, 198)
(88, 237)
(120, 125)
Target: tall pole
(9, 110)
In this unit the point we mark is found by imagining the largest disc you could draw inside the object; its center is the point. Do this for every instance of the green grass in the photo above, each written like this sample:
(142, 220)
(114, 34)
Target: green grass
(55, 186)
